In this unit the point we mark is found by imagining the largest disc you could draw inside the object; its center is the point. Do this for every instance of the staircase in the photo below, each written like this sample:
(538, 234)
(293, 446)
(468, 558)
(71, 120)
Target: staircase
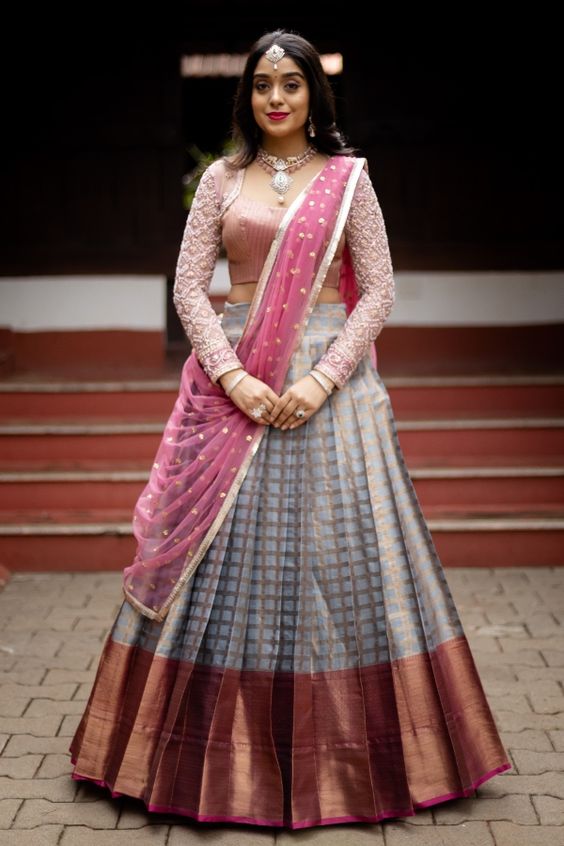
(486, 455)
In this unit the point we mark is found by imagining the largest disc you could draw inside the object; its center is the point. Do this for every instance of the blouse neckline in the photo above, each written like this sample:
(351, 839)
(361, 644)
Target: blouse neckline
(261, 203)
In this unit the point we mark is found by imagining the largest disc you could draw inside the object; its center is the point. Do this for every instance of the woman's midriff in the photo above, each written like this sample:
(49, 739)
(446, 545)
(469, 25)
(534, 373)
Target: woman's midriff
(244, 292)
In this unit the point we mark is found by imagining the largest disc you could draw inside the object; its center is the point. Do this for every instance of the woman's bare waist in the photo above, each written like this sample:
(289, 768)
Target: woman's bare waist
(244, 292)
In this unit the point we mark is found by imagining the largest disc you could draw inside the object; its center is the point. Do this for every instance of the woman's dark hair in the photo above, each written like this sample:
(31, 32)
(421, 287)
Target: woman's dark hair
(328, 139)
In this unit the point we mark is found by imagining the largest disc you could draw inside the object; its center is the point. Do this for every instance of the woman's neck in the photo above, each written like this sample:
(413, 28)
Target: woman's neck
(284, 147)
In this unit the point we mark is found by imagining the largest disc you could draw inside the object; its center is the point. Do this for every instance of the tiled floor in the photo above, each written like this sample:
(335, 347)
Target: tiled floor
(52, 627)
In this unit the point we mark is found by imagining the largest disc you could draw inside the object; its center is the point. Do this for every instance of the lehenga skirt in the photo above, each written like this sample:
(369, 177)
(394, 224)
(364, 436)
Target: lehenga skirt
(314, 670)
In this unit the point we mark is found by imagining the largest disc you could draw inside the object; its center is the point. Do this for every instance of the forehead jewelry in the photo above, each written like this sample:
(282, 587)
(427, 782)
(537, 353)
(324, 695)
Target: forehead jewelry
(274, 54)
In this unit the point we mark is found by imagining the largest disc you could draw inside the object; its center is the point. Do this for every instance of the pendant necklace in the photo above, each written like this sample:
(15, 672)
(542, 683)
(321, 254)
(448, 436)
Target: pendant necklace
(281, 168)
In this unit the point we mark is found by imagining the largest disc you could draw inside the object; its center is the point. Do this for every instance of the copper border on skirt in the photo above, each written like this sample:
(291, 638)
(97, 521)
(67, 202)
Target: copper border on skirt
(284, 749)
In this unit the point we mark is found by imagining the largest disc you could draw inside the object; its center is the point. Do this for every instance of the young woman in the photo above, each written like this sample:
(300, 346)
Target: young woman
(288, 651)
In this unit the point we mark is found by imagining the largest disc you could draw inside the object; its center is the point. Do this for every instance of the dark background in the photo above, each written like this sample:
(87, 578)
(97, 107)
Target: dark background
(460, 123)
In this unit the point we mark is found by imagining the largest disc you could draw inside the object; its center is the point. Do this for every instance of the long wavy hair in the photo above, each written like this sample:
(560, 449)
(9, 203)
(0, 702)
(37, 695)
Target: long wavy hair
(245, 131)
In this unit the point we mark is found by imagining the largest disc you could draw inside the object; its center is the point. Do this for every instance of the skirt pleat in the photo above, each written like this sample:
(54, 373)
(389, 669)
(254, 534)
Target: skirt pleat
(314, 670)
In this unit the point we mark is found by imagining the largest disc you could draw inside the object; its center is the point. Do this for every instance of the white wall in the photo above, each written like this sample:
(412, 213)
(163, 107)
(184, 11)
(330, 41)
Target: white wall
(478, 299)
(83, 302)
(139, 302)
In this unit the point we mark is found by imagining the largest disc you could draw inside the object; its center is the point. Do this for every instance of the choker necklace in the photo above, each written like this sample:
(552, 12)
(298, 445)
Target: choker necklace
(281, 168)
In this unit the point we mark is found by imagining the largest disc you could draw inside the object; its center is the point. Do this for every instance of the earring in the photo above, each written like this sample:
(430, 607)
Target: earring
(311, 128)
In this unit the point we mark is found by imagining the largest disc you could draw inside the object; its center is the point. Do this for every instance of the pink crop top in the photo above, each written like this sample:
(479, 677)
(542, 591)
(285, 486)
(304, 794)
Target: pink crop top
(246, 228)
(249, 227)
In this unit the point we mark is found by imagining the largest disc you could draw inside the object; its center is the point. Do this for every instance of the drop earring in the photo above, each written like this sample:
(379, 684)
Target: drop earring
(311, 128)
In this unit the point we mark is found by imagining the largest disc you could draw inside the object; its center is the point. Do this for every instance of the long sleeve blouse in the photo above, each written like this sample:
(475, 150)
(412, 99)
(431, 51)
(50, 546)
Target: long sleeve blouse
(366, 236)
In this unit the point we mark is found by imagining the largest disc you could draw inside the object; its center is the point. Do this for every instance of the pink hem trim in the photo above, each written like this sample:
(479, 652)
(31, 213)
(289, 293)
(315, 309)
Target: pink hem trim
(171, 809)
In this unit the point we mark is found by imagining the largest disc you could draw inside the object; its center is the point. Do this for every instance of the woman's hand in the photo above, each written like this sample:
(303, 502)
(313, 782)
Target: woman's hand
(250, 393)
(306, 393)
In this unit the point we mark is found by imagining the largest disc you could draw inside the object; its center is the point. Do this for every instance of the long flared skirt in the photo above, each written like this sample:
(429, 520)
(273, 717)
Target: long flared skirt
(314, 670)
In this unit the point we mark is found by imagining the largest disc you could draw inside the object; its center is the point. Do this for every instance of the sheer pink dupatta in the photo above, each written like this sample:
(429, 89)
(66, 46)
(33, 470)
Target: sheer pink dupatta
(208, 443)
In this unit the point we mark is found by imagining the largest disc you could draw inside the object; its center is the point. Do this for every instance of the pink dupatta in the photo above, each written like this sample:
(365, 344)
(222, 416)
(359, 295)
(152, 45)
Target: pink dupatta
(208, 442)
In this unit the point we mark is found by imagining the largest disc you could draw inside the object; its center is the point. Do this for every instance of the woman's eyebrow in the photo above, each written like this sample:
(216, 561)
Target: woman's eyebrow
(289, 73)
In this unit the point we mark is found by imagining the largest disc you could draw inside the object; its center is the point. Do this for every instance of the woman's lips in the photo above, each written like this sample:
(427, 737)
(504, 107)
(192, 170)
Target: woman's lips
(277, 115)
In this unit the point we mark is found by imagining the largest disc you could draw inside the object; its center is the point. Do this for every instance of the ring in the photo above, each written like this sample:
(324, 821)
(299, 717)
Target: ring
(300, 412)
(257, 412)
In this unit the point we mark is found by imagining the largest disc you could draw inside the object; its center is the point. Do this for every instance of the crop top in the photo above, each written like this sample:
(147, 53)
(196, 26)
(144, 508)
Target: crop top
(210, 223)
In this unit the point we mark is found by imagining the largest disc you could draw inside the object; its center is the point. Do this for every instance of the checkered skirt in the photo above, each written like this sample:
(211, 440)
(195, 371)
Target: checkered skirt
(314, 669)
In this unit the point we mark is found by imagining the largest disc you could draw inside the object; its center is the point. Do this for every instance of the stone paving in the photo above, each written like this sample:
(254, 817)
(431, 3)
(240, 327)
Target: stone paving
(52, 628)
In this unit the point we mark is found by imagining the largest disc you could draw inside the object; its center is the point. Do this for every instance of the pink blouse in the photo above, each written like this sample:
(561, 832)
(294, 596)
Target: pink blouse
(219, 214)
(248, 230)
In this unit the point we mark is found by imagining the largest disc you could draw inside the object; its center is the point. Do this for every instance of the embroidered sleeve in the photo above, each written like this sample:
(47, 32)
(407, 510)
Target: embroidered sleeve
(368, 243)
(196, 262)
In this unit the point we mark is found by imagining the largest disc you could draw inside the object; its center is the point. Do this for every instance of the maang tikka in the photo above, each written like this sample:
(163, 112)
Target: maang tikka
(274, 54)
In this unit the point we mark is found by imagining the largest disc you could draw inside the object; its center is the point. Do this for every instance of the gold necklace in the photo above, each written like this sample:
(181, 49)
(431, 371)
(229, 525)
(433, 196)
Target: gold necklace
(281, 168)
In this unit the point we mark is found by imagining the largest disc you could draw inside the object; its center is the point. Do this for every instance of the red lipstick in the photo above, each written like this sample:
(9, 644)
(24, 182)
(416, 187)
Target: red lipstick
(277, 115)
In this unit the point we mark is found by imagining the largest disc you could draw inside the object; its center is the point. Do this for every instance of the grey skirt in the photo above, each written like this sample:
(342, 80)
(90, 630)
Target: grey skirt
(314, 669)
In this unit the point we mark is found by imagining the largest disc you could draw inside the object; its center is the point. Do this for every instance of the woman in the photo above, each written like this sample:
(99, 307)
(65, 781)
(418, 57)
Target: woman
(288, 652)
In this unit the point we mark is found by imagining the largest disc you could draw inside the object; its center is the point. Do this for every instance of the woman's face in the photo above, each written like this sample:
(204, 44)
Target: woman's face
(280, 99)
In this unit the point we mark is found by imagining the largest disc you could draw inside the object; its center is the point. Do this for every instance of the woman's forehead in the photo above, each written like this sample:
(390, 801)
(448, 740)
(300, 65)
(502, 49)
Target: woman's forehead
(284, 66)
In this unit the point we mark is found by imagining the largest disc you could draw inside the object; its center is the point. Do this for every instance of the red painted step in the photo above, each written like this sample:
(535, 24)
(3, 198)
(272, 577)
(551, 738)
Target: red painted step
(466, 396)
(486, 457)
(456, 487)
(423, 440)
(104, 541)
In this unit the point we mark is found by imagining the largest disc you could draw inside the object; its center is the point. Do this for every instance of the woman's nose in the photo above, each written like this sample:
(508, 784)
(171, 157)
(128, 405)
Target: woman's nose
(276, 96)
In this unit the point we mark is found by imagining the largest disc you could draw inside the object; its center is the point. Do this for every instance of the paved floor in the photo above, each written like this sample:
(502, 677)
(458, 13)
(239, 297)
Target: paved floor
(52, 627)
